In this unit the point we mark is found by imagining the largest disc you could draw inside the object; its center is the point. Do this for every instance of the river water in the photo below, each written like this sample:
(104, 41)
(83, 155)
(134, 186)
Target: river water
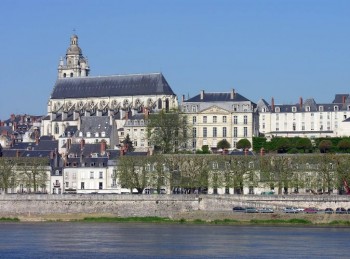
(140, 240)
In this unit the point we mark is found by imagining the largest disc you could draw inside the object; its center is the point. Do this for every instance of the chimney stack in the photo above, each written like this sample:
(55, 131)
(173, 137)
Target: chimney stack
(343, 99)
(183, 98)
(82, 144)
(68, 144)
(103, 147)
(301, 102)
(273, 104)
(146, 112)
(232, 94)
(202, 94)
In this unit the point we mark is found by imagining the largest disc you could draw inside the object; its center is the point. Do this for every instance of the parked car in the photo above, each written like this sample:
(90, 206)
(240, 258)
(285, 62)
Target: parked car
(340, 211)
(328, 211)
(290, 210)
(238, 209)
(266, 210)
(310, 210)
(251, 210)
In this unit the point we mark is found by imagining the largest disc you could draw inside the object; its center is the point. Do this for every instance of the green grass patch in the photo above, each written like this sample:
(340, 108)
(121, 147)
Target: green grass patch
(128, 219)
(199, 221)
(280, 221)
(9, 219)
(340, 222)
(225, 221)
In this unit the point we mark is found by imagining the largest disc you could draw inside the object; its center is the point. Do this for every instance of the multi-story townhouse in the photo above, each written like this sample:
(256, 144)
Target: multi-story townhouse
(305, 119)
(218, 116)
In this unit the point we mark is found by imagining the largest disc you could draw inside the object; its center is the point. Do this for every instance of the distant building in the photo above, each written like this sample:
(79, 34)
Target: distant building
(76, 95)
(306, 118)
(218, 116)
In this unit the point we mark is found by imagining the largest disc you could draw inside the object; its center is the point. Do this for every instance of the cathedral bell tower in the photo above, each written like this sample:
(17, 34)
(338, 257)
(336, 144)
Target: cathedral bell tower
(75, 64)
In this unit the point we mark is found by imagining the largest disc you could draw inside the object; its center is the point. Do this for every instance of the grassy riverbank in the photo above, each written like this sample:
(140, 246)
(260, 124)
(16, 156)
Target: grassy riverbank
(293, 221)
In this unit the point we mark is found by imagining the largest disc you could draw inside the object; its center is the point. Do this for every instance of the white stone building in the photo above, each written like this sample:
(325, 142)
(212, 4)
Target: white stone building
(305, 119)
(218, 116)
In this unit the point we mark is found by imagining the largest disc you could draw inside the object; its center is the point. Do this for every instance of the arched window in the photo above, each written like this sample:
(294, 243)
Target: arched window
(64, 75)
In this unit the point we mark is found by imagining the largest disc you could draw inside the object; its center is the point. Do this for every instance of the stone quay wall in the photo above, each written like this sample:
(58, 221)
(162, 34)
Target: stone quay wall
(13, 205)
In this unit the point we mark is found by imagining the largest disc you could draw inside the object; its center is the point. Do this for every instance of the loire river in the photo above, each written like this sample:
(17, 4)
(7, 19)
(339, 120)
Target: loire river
(139, 240)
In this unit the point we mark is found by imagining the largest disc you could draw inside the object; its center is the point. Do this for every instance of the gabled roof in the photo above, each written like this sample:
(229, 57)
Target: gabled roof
(217, 97)
(118, 85)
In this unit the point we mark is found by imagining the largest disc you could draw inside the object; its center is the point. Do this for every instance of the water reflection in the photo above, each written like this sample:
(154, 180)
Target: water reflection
(127, 240)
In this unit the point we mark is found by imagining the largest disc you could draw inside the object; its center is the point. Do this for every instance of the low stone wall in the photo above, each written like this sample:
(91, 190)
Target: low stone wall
(153, 205)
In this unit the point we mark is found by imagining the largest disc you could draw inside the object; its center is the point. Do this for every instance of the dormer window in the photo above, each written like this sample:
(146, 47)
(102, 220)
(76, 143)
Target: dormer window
(307, 108)
(80, 134)
(142, 122)
(294, 109)
(320, 108)
(277, 109)
(336, 108)
(263, 109)
(97, 135)
(194, 108)
(103, 134)
(88, 134)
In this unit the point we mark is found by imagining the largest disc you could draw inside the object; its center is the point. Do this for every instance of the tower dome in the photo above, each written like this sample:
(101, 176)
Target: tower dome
(74, 48)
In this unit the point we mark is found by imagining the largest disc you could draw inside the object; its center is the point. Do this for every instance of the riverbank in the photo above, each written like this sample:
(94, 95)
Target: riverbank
(202, 217)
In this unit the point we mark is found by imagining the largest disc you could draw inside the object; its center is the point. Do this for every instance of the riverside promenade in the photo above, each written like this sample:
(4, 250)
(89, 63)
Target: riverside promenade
(207, 207)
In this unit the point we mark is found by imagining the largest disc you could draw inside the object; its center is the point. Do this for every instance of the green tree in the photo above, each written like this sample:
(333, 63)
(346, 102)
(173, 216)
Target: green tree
(243, 143)
(128, 144)
(282, 145)
(344, 145)
(325, 146)
(169, 131)
(304, 144)
(223, 144)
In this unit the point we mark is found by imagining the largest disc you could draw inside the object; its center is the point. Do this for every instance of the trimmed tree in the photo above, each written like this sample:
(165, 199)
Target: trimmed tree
(325, 145)
(243, 143)
(223, 144)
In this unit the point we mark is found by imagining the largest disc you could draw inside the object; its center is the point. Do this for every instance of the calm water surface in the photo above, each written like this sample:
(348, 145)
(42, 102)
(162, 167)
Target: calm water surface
(127, 240)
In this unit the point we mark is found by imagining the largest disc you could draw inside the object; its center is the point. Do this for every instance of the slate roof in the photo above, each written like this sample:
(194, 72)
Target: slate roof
(94, 124)
(118, 85)
(44, 145)
(217, 97)
(26, 153)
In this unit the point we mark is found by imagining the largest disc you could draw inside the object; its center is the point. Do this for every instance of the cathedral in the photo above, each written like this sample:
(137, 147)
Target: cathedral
(120, 98)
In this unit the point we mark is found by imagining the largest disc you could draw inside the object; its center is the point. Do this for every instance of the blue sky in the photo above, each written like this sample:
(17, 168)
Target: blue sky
(284, 49)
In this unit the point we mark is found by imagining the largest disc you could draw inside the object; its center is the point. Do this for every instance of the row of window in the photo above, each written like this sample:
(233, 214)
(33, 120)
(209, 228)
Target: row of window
(224, 132)
(214, 119)
(235, 107)
(307, 108)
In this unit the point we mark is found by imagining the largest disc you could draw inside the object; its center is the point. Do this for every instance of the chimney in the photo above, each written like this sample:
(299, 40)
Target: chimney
(343, 99)
(126, 115)
(146, 113)
(183, 98)
(103, 147)
(82, 144)
(301, 102)
(202, 94)
(13, 117)
(272, 104)
(262, 151)
(18, 153)
(22, 119)
(14, 126)
(232, 94)
(68, 144)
